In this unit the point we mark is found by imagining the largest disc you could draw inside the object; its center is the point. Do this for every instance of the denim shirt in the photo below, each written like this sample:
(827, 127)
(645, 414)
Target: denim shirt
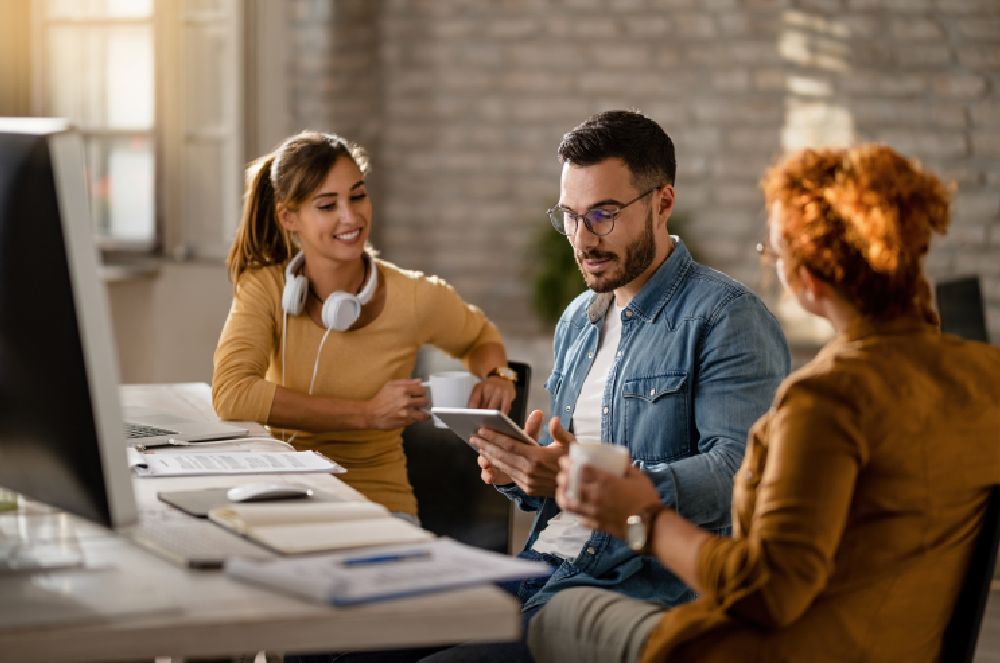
(698, 362)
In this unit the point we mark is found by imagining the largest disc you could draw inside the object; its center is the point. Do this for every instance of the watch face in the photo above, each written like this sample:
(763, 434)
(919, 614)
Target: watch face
(635, 532)
(505, 372)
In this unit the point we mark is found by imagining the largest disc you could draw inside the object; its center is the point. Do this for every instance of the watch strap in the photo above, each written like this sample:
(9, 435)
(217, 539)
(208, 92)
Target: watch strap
(648, 515)
(503, 372)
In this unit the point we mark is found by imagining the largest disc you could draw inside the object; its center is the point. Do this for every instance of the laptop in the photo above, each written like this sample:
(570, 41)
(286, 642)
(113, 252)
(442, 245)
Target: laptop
(148, 428)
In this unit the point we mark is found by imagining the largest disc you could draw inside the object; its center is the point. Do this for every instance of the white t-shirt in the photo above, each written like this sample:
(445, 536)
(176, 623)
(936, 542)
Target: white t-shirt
(564, 535)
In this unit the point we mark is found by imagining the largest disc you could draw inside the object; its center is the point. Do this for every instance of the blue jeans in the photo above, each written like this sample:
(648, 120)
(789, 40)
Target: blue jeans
(472, 652)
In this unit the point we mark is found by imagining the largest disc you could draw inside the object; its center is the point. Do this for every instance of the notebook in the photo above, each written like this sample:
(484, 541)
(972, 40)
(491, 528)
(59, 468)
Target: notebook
(148, 428)
(306, 527)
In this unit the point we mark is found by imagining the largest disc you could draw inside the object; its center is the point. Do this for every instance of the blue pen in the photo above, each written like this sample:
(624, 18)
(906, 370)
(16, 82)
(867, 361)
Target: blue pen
(387, 558)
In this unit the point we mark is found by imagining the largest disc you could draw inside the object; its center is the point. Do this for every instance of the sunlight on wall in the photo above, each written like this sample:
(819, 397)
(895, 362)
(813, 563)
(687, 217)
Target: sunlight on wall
(816, 49)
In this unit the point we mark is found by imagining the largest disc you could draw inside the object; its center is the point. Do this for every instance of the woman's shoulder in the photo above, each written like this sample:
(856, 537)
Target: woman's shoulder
(835, 375)
(262, 279)
(410, 278)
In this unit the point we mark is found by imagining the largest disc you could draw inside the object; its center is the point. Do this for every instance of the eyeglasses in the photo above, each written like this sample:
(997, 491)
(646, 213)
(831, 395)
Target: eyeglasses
(598, 220)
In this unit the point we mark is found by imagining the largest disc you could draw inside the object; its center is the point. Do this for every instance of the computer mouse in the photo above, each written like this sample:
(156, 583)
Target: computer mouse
(260, 492)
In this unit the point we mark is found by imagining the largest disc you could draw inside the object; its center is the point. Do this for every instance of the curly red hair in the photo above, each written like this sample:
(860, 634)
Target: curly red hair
(861, 220)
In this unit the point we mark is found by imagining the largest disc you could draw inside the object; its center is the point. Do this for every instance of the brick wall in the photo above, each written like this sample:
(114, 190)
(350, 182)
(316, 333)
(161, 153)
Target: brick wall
(462, 103)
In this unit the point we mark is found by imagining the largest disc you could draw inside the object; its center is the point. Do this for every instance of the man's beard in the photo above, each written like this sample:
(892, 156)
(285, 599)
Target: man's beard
(639, 256)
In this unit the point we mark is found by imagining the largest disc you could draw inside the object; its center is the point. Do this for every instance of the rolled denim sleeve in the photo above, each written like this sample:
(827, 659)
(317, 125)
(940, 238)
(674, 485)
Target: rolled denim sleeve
(523, 501)
(742, 358)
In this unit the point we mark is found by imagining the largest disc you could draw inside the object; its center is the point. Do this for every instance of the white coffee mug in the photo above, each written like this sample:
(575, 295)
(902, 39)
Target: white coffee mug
(604, 456)
(450, 389)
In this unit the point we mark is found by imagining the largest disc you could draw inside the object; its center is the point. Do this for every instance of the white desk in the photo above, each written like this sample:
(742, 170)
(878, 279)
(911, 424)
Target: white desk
(154, 608)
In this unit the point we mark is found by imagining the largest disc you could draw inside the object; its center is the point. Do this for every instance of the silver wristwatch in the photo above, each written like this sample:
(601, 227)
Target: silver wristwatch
(639, 529)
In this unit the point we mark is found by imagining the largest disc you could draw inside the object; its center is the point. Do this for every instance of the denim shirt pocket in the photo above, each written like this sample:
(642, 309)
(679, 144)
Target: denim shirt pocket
(553, 384)
(656, 416)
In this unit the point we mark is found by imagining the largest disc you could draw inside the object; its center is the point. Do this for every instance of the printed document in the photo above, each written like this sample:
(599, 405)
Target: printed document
(192, 463)
(385, 572)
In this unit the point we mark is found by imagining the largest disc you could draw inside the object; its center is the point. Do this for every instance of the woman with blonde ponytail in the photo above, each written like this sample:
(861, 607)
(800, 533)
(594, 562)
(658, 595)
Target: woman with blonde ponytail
(863, 488)
(322, 336)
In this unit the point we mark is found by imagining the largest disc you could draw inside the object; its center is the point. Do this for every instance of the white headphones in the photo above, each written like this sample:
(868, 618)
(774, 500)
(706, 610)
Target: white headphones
(340, 310)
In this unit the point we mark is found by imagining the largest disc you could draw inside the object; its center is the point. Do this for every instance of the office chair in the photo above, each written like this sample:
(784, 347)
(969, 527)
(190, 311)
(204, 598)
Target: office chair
(962, 632)
(451, 498)
(960, 305)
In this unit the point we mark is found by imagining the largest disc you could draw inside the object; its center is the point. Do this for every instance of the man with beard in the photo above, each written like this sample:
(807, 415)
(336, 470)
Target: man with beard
(662, 355)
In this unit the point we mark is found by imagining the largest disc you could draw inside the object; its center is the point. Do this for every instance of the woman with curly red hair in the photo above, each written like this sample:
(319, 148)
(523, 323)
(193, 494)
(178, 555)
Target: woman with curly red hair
(863, 487)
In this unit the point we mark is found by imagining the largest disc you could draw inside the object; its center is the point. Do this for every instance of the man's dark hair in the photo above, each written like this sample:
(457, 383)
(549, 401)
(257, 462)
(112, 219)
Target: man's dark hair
(628, 135)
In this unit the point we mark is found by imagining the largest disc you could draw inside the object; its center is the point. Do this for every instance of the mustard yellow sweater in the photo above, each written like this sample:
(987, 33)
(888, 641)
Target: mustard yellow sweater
(354, 365)
(855, 509)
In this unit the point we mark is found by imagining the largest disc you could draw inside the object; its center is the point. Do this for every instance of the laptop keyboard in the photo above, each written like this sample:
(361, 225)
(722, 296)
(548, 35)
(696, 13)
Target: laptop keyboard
(197, 544)
(138, 431)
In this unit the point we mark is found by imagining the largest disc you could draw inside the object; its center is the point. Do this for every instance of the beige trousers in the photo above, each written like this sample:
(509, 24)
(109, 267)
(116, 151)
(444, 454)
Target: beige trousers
(585, 625)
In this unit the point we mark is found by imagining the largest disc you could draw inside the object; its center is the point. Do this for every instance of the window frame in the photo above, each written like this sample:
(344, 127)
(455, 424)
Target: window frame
(251, 44)
(40, 24)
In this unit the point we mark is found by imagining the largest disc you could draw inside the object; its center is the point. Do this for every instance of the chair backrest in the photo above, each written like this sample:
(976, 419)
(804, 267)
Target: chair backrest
(451, 498)
(962, 632)
(960, 304)
(519, 408)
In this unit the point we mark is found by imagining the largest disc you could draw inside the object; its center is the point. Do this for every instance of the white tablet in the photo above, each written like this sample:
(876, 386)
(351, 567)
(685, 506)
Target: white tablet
(466, 421)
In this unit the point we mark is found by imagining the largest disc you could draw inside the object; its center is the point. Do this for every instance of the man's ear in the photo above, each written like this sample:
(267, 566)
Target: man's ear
(666, 201)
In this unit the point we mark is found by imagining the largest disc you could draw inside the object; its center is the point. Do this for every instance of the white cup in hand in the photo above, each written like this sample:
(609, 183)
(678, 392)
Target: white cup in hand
(591, 451)
(450, 389)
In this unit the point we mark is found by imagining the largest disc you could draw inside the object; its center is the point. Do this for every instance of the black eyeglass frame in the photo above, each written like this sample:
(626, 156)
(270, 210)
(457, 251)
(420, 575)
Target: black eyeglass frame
(558, 215)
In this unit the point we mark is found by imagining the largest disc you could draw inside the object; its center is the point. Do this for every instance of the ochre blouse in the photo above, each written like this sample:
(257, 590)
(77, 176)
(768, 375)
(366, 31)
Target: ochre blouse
(855, 508)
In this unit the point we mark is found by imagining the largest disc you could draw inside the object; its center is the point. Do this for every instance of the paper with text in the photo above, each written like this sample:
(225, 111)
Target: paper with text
(428, 567)
(193, 463)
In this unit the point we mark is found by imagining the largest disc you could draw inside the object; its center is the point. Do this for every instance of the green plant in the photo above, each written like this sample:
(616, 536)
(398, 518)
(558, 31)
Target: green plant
(558, 279)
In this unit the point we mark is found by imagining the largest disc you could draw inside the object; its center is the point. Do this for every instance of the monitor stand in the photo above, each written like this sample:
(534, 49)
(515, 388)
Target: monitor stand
(33, 540)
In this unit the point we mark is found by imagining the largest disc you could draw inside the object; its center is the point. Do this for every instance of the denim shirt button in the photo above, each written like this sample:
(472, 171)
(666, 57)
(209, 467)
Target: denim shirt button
(628, 313)
(606, 409)
(567, 408)
(590, 550)
(619, 353)
(590, 355)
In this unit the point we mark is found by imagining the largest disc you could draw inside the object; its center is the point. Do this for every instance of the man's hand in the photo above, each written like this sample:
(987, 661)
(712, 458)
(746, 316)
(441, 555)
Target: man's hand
(397, 404)
(490, 474)
(606, 500)
(531, 466)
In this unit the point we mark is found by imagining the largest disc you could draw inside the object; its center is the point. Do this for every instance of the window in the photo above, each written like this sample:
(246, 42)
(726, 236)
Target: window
(156, 88)
(94, 65)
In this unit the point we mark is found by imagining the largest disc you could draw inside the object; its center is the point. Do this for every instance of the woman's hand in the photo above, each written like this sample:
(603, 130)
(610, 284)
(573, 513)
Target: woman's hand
(492, 393)
(606, 500)
(397, 404)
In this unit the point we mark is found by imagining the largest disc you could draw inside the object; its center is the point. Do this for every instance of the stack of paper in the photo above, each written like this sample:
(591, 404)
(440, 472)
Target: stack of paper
(344, 579)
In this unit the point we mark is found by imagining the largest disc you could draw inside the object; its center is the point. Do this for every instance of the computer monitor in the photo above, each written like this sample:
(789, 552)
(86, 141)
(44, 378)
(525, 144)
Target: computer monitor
(62, 440)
